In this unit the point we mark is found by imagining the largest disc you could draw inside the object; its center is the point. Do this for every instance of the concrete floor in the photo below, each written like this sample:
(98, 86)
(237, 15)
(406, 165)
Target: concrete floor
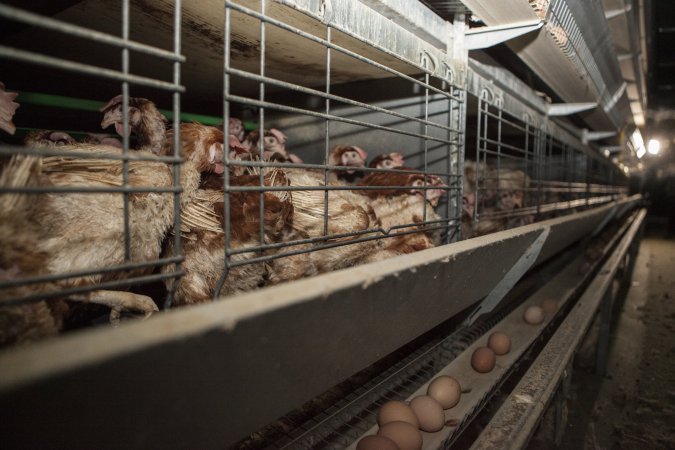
(633, 405)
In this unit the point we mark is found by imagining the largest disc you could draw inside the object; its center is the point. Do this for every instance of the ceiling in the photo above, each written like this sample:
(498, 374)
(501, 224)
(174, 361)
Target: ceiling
(642, 33)
(660, 18)
(653, 56)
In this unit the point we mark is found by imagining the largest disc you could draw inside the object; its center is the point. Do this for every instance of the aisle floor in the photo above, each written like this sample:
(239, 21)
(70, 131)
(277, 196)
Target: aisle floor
(633, 405)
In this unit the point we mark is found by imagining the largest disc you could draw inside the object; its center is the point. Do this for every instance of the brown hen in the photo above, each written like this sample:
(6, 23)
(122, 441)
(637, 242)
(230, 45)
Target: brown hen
(204, 240)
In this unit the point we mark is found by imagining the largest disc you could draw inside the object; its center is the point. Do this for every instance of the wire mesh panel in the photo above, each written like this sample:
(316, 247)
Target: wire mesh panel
(501, 189)
(344, 152)
(522, 172)
(84, 213)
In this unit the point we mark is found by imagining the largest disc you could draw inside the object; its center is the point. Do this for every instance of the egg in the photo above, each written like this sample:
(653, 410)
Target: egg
(550, 306)
(534, 315)
(429, 412)
(406, 436)
(445, 390)
(395, 411)
(483, 360)
(377, 443)
(500, 343)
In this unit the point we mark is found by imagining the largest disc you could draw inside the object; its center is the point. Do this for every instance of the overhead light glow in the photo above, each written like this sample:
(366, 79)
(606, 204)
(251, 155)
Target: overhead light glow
(653, 147)
(637, 139)
(607, 152)
(626, 170)
(638, 144)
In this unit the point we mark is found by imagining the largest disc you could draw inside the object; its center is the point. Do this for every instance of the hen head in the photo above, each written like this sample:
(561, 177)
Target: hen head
(511, 186)
(203, 146)
(392, 160)
(145, 120)
(274, 142)
(7, 109)
(47, 138)
(433, 196)
(351, 156)
(412, 184)
(236, 128)
(469, 203)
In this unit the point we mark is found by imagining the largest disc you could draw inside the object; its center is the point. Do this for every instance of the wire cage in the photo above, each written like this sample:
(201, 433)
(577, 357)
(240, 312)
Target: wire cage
(522, 172)
(264, 216)
(507, 164)
(353, 97)
(84, 213)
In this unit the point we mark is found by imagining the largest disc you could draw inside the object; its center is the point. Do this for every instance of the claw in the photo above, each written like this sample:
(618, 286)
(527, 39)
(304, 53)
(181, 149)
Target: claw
(119, 301)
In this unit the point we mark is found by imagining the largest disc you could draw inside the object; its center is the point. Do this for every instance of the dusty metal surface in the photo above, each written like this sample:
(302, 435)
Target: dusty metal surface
(518, 99)
(518, 417)
(566, 53)
(290, 57)
(414, 17)
(240, 363)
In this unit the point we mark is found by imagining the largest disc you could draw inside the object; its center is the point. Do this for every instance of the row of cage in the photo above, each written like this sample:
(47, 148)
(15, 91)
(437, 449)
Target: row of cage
(284, 145)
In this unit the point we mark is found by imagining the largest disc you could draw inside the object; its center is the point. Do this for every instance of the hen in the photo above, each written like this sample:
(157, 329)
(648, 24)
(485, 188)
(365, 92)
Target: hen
(203, 232)
(19, 259)
(328, 225)
(396, 207)
(86, 232)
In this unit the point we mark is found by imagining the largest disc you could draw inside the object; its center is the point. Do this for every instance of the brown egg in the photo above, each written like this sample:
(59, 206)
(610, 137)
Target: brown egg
(445, 390)
(377, 443)
(429, 412)
(483, 360)
(550, 306)
(396, 412)
(500, 343)
(406, 436)
(534, 315)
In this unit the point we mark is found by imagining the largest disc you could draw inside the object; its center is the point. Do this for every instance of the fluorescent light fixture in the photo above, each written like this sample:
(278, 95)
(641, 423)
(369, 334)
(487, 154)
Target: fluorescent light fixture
(637, 139)
(638, 144)
(653, 147)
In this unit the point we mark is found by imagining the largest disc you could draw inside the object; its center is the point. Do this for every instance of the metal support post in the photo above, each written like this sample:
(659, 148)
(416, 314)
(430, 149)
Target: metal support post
(560, 404)
(603, 335)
